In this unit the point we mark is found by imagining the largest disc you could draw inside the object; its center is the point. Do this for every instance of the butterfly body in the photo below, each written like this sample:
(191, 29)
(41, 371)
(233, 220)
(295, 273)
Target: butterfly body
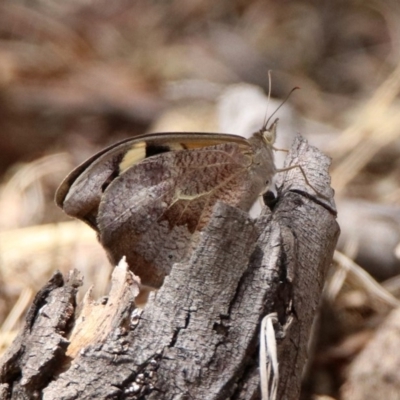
(149, 197)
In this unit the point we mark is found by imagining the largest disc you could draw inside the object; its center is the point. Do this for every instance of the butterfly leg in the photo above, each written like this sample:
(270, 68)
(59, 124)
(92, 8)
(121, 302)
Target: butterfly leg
(305, 178)
(276, 149)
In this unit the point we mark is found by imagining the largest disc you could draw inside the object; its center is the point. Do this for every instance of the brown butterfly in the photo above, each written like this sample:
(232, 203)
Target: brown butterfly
(148, 197)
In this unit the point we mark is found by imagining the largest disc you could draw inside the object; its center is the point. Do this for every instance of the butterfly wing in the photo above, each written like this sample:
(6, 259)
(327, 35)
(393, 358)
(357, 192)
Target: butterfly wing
(148, 197)
(80, 193)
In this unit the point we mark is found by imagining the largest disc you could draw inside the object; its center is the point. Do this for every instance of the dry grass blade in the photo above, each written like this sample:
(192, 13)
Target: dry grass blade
(269, 371)
(375, 128)
(46, 248)
(22, 196)
(357, 277)
(9, 328)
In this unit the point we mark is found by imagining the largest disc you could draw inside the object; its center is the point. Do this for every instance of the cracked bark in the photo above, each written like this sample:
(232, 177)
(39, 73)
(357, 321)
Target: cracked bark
(197, 337)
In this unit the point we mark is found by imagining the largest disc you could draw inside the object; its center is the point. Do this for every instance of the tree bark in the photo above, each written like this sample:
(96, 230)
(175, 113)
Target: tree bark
(198, 336)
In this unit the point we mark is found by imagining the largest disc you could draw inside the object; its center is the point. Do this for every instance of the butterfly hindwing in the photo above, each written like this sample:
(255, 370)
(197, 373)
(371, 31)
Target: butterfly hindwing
(152, 210)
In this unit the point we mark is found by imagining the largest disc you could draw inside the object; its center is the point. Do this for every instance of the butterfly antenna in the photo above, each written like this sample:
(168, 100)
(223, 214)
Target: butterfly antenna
(269, 97)
(283, 102)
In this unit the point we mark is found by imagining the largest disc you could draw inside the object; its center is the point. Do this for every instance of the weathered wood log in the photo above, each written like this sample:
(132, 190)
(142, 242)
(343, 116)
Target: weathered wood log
(198, 336)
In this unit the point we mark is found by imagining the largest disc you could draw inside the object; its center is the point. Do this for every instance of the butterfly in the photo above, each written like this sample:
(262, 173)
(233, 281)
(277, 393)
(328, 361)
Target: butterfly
(149, 197)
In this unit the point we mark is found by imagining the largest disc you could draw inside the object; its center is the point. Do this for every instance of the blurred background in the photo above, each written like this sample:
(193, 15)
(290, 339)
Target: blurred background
(77, 76)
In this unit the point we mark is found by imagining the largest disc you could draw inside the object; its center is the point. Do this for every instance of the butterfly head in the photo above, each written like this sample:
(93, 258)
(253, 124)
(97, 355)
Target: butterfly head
(269, 133)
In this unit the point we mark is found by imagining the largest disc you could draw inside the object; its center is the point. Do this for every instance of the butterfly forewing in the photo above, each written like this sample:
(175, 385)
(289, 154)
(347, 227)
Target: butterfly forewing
(80, 193)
